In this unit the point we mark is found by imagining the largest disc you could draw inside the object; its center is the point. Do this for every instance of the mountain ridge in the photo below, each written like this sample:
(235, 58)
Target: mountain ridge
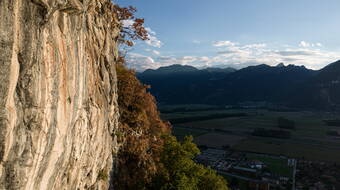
(290, 85)
(177, 68)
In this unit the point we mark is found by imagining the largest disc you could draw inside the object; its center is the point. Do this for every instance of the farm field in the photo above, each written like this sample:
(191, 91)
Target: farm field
(180, 133)
(276, 165)
(290, 149)
(218, 140)
(308, 140)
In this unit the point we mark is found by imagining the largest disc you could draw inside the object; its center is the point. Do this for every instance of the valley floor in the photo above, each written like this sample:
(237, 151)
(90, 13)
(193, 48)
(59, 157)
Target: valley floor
(310, 144)
(309, 140)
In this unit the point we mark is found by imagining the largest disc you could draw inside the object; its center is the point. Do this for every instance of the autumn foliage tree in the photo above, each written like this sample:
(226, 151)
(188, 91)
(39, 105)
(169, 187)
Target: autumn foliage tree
(140, 132)
(136, 31)
(140, 127)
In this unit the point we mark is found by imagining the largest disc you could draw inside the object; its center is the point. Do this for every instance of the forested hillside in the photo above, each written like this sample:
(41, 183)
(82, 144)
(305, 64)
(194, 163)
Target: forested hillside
(292, 86)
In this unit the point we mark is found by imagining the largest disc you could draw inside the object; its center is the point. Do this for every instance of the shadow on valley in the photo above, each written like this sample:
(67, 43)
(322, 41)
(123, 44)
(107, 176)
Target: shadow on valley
(260, 127)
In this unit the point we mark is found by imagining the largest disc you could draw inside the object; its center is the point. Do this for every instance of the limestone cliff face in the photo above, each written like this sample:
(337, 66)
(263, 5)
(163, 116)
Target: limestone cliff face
(58, 99)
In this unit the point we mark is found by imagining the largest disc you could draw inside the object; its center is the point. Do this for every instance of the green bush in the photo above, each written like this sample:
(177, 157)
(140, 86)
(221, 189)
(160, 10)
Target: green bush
(102, 175)
(180, 172)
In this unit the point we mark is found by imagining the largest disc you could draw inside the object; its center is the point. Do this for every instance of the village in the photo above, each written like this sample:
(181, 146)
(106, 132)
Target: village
(251, 170)
(317, 175)
(255, 171)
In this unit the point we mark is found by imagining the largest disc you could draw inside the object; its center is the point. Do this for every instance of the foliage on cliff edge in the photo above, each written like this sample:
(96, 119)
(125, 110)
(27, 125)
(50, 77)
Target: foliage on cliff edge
(180, 172)
(141, 131)
(150, 158)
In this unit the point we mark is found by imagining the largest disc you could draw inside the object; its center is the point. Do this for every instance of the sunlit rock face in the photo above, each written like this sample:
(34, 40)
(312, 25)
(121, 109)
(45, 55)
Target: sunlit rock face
(58, 99)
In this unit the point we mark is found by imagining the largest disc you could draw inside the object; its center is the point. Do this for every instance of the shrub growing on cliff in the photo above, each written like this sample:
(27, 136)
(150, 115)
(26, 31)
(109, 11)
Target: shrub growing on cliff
(102, 175)
(180, 172)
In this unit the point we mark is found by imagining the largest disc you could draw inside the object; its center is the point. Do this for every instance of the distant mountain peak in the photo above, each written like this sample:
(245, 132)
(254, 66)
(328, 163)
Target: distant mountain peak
(335, 64)
(280, 65)
(329, 73)
(176, 68)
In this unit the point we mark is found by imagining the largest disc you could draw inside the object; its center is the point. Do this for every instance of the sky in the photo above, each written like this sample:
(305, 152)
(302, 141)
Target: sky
(236, 33)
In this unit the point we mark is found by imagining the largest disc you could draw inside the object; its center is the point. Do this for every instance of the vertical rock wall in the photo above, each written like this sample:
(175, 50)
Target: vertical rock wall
(58, 99)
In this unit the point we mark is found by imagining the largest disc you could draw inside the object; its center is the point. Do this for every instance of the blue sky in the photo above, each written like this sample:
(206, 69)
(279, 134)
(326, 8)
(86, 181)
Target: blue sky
(237, 33)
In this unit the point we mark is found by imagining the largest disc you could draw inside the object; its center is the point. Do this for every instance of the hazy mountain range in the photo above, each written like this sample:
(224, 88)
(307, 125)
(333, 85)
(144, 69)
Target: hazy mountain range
(292, 86)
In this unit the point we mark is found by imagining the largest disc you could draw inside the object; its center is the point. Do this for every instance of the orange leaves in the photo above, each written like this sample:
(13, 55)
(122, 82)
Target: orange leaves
(142, 131)
(136, 31)
(140, 31)
(129, 43)
(125, 13)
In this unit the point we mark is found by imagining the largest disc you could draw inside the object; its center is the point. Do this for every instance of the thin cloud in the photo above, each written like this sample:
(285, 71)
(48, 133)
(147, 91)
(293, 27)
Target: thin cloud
(154, 52)
(127, 23)
(223, 43)
(305, 44)
(226, 52)
(255, 46)
(295, 52)
(153, 40)
(232, 54)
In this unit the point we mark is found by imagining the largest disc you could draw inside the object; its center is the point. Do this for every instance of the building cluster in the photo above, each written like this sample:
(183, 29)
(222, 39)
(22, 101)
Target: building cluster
(255, 173)
(313, 175)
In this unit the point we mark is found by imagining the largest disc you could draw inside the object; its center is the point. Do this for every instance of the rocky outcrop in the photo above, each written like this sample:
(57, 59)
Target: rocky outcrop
(58, 99)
